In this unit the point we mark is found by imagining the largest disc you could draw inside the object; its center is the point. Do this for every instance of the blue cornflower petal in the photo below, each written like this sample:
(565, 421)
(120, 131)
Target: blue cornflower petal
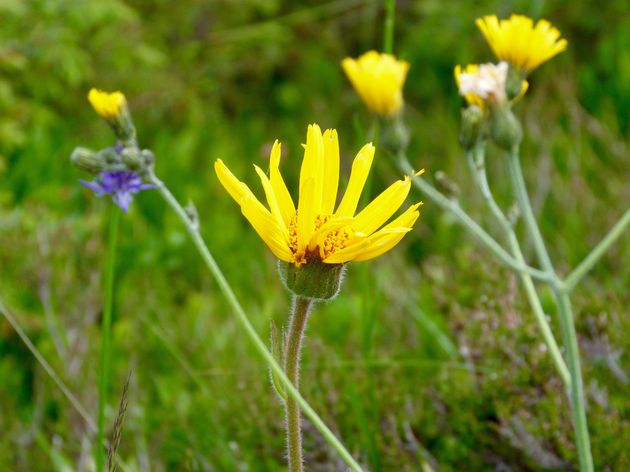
(120, 184)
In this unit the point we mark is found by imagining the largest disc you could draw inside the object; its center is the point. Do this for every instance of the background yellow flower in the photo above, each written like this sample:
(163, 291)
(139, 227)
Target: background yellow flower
(519, 42)
(378, 79)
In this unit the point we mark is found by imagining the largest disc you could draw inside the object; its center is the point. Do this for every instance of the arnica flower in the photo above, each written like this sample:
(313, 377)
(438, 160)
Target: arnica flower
(121, 184)
(316, 231)
(108, 105)
(519, 42)
(378, 79)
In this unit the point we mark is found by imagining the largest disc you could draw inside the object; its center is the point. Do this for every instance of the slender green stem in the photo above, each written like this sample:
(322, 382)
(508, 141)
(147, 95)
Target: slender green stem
(578, 403)
(452, 206)
(299, 317)
(476, 162)
(388, 35)
(261, 348)
(576, 392)
(598, 251)
(518, 183)
(106, 327)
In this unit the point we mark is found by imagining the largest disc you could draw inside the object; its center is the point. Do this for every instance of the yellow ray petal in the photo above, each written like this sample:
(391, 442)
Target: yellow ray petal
(285, 202)
(382, 207)
(358, 176)
(305, 215)
(331, 171)
(348, 254)
(267, 227)
(234, 187)
(388, 237)
(313, 168)
(272, 201)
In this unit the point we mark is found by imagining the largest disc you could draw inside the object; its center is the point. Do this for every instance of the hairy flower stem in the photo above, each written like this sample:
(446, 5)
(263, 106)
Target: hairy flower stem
(567, 325)
(106, 327)
(260, 346)
(297, 324)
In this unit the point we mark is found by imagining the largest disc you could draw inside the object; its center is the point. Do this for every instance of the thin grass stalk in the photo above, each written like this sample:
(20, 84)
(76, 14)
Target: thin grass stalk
(106, 327)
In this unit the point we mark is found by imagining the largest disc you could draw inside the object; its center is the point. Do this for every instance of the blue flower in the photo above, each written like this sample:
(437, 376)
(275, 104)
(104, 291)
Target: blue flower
(121, 184)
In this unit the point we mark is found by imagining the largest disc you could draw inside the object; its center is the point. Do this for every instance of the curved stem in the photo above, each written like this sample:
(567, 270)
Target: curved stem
(467, 222)
(598, 251)
(567, 325)
(299, 317)
(578, 403)
(106, 335)
(518, 183)
(476, 162)
(259, 345)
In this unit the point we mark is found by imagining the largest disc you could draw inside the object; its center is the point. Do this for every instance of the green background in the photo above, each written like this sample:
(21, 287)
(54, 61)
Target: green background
(430, 355)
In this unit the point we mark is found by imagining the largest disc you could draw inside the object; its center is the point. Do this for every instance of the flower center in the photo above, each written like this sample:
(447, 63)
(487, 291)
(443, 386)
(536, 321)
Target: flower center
(333, 241)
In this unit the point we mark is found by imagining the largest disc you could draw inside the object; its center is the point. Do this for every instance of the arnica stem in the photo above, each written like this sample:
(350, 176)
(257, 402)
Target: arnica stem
(299, 317)
(260, 346)
(103, 383)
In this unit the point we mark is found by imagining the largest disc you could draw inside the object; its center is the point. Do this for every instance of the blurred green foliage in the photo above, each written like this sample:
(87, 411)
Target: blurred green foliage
(210, 79)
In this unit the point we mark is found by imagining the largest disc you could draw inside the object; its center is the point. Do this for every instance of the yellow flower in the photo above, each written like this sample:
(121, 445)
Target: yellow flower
(109, 105)
(378, 79)
(316, 231)
(519, 42)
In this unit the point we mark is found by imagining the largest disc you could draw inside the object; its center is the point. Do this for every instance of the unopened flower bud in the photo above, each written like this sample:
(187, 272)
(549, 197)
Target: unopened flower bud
(132, 158)
(471, 130)
(110, 155)
(87, 160)
(505, 127)
(315, 279)
(395, 134)
(514, 84)
(113, 108)
(148, 157)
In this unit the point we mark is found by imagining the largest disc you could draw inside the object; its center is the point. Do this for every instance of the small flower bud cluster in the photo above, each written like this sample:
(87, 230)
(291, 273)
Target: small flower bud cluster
(121, 168)
(492, 89)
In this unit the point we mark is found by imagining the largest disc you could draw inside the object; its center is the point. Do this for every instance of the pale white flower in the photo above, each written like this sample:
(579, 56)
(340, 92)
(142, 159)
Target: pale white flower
(487, 81)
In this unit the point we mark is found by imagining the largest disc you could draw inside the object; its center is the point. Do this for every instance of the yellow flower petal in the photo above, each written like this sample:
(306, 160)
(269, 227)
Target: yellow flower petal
(234, 187)
(273, 202)
(521, 43)
(108, 105)
(331, 171)
(378, 79)
(358, 176)
(313, 168)
(305, 215)
(285, 202)
(382, 207)
(385, 239)
(267, 227)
